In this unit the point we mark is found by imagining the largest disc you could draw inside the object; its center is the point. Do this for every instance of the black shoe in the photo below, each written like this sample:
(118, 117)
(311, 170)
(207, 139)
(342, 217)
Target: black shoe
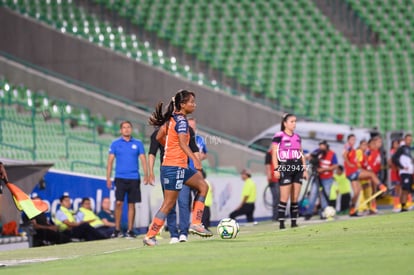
(130, 234)
(293, 224)
(282, 226)
(117, 234)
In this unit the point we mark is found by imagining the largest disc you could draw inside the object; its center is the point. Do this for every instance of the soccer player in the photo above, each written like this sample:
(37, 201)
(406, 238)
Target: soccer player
(129, 154)
(290, 167)
(174, 135)
(184, 196)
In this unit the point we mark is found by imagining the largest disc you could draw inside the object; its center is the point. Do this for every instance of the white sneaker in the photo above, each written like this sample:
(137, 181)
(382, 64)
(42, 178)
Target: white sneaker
(183, 238)
(174, 240)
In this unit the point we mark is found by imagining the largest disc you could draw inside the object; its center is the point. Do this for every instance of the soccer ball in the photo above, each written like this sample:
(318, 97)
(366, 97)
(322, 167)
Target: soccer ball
(228, 228)
(329, 212)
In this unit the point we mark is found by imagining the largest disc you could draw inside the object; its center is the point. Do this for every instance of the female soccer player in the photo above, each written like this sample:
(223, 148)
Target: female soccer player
(290, 167)
(174, 136)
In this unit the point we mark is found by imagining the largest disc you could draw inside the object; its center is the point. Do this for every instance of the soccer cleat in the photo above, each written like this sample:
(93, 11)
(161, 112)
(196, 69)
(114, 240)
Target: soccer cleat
(149, 241)
(183, 238)
(117, 234)
(174, 240)
(130, 234)
(282, 226)
(353, 212)
(200, 230)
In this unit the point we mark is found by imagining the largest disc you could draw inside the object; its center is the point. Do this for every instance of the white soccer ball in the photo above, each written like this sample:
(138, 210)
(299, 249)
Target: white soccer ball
(329, 212)
(228, 228)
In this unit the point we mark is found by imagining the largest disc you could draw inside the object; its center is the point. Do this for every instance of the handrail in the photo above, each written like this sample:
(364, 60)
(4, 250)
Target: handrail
(84, 140)
(28, 125)
(73, 163)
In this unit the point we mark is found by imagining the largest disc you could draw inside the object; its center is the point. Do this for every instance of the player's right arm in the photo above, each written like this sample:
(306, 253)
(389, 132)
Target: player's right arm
(109, 165)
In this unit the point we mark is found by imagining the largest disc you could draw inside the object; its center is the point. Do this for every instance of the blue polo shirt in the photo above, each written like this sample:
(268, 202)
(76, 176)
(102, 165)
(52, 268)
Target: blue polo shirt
(127, 157)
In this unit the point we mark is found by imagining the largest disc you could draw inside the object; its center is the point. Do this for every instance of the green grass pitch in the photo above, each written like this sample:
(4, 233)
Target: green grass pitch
(382, 244)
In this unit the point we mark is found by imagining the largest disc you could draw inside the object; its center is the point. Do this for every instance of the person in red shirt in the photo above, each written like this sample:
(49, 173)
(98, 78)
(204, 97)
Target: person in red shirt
(395, 177)
(374, 162)
(356, 173)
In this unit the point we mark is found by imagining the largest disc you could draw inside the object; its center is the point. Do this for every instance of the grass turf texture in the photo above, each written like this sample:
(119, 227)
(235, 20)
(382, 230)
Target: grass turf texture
(381, 244)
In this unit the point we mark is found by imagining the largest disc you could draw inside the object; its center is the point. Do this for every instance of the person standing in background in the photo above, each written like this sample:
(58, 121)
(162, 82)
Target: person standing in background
(129, 153)
(290, 167)
(273, 184)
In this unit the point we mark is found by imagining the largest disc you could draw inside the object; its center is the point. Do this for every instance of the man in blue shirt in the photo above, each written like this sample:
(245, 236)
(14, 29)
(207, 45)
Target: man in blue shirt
(128, 153)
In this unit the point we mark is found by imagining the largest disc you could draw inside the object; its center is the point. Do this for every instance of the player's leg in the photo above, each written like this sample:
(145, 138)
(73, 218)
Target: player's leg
(294, 207)
(195, 180)
(369, 175)
(285, 191)
(119, 203)
(170, 199)
(356, 188)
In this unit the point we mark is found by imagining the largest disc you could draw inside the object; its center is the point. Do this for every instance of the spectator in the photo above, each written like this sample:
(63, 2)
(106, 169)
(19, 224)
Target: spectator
(362, 162)
(106, 214)
(374, 161)
(68, 225)
(86, 214)
(129, 154)
(344, 189)
(44, 232)
(246, 206)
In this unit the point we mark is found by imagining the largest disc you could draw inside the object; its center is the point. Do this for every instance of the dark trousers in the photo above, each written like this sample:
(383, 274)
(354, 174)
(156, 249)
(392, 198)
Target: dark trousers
(50, 236)
(275, 190)
(247, 209)
(345, 201)
(84, 231)
(206, 217)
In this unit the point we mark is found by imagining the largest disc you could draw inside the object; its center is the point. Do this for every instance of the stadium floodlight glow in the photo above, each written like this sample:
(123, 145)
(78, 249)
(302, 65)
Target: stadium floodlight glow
(74, 29)
(68, 109)
(162, 61)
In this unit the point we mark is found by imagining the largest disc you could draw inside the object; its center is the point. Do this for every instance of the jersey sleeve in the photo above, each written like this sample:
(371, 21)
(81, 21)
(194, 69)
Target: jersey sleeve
(141, 148)
(277, 138)
(111, 150)
(193, 144)
(154, 144)
(181, 126)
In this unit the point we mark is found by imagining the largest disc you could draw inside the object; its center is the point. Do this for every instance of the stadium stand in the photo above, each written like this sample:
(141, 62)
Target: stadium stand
(280, 47)
(286, 51)
(36, 127)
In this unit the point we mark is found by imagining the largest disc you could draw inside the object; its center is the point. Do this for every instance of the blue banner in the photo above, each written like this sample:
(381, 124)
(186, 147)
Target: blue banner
(77, 187)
